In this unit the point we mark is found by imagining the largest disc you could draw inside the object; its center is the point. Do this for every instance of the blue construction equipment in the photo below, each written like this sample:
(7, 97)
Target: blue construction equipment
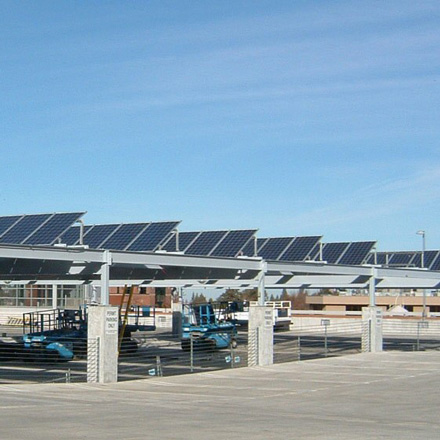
(202, 328)
(54, 334)
(62, 334)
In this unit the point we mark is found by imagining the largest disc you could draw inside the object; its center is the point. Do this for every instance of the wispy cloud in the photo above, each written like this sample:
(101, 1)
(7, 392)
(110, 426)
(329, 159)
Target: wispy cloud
(379, 200)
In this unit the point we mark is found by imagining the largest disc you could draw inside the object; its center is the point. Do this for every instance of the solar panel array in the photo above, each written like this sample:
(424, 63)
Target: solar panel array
(36, 229)
(224, 243)
(284, 248)
(347, 253)
(49, 229)
(138, 237)
(408, 259)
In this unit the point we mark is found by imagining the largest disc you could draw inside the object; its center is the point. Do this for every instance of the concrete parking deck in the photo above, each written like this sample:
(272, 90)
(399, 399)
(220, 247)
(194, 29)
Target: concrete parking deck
(365, 396)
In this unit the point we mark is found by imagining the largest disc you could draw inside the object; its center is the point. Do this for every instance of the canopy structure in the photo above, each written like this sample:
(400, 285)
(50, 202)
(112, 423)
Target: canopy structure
(52, 264)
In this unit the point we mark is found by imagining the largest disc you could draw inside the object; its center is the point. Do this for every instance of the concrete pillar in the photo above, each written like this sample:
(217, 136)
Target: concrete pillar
(176, 309)
(372, 338)
(260, 336)
(102, 351)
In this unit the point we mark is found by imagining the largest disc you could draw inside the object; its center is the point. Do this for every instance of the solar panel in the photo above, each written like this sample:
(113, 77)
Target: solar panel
(123, 236)
(7, 222)
(435, 265)
(249, 249)
(185, 239)
(205, 242)
(400, 258)
(152, 236)
(383, 258)
(27, 225)
(274, 247)
(428, 258)
(95, 235)
(53, 228)
(357, 253)
(233, 243)
(71, 236)
(332, 252)
(300, 249)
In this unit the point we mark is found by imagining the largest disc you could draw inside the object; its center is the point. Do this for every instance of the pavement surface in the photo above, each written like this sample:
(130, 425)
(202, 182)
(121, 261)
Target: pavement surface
(364, 396)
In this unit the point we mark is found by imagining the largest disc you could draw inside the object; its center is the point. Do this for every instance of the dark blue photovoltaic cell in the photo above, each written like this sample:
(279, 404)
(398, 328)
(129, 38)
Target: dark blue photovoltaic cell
(233, 243)
(428, 258)
(152, 237)
(205, 242)
(435, 265)
(400, 259)
(53, 228)
(185, 239)
(7, 222)
(22, 229)
(71, 236)
(249, 249)
(357, 253)
(95, 235)
(274, 247)
(125, 234)
(332, 252)
(300, 249)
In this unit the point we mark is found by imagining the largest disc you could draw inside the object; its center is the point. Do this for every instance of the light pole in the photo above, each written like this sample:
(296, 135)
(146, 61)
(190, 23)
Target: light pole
(422, 264)
(422, 261)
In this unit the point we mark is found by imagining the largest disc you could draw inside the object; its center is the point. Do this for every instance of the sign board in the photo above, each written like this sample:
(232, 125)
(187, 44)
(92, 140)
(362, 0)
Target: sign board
(111, 322)
(268, 318)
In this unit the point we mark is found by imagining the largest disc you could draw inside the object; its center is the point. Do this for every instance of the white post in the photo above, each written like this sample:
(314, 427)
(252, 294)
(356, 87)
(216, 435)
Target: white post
(176, 309)
(105, 278)
(261, 284)
(54, 296)
(102, 351)
(372, 339)
(260, 336)
(372, 287)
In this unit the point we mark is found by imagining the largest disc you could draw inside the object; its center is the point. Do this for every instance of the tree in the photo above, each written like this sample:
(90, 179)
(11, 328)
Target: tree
(198, 298)
(230, 295)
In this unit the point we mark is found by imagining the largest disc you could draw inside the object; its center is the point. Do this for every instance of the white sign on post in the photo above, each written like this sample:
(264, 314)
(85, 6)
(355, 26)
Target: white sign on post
(111, 322)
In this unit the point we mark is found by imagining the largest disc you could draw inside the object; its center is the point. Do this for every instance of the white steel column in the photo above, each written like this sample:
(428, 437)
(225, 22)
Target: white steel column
(262, 284)
(54, 296)
(372, 339)
(105, 278)
(372, 287)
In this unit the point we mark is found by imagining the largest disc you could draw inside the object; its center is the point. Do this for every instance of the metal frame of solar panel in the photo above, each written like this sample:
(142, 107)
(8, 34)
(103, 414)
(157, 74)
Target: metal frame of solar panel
(36, 229)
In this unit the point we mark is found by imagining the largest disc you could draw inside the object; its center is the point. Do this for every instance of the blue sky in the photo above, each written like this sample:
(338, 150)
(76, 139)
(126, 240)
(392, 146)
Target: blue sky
(294, 117)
